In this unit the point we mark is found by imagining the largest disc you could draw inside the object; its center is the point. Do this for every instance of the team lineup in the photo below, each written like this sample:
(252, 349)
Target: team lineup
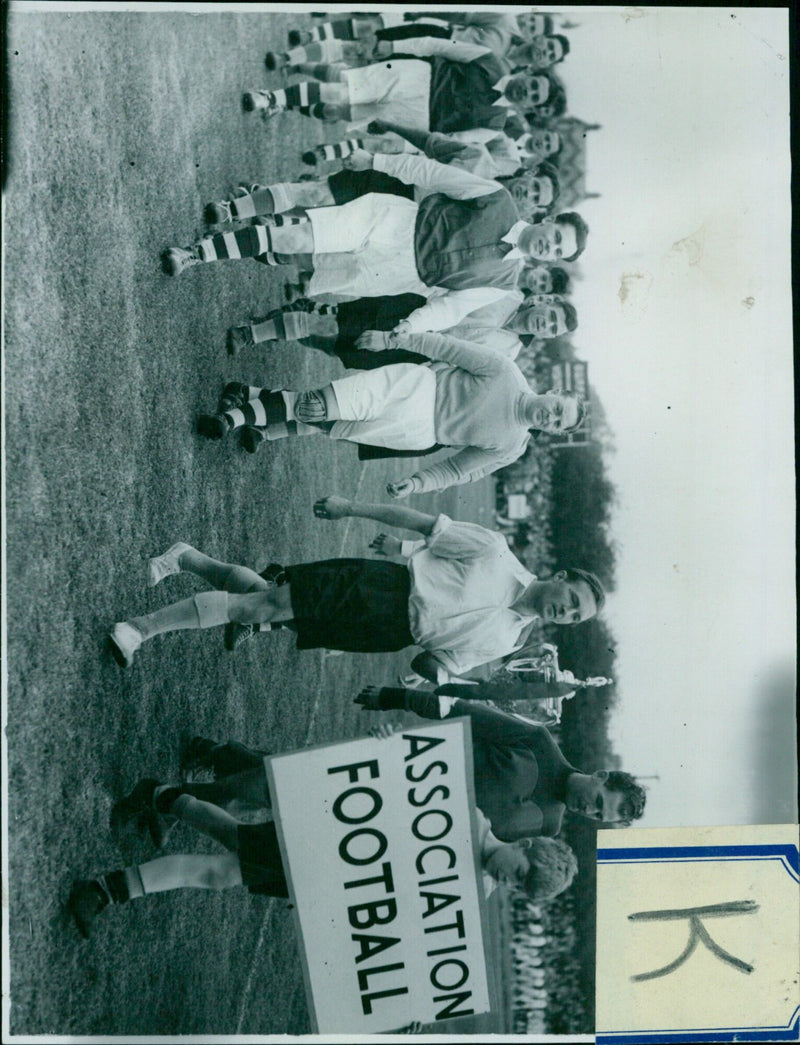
(426, 265)
(397, 470)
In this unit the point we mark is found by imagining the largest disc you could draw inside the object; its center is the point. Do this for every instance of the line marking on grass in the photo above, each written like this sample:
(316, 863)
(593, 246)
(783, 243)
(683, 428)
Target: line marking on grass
(262, 933)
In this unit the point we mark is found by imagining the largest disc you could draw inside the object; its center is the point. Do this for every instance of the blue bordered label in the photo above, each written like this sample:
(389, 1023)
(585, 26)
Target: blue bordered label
(698, 935)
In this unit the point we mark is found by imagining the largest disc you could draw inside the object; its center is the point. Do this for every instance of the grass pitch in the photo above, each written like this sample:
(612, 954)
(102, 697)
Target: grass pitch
(122, 125)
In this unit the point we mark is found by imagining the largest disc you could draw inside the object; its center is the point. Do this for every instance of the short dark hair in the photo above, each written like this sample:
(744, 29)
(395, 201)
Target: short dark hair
(571, 217)
(556, 101)
(559, 280)
(527, 16)
(542, 74)
(553, 865)
(598, 591)
(570, 317)
(564, 44)
(535, 121)
(632, 805)
(547, 170)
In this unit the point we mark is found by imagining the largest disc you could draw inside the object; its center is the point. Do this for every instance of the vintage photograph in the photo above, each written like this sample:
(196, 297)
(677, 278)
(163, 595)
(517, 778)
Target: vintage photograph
(316, 735)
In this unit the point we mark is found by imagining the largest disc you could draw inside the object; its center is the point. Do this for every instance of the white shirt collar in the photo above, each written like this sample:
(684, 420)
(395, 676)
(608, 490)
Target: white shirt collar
(521, 573)
(515, 150)
(511, 237)
(519, 144)
(525, 577)
(501, 86)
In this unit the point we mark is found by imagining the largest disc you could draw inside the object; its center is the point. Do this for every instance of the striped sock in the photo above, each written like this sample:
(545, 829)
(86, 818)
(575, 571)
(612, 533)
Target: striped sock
(296, 325)
(316, 112)
(264, 406)
(340, 29)
(299, 55)
(326, 72)
(268, 258)
(260, 201)
(286, 429)
(245, 206)
(269, 329)
(298, 95)
(279, 220)
(249, 242)
(339, 150)
(289, 325)
(324, 51)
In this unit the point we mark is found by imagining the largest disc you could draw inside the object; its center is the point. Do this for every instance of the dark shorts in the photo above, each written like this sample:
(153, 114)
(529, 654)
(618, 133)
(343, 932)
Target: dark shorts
(366, 452)
(381, 313)
(356, 605)
(347, 186)
(260, 859)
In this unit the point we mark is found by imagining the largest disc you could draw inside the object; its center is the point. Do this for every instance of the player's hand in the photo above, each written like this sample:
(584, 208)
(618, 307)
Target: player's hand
(381, 732)
(369, 698)
(377, 127)
(332, 508)
(382, 49)
(399, 490)
(403, 327)
(373, 341)
(360, 160)
(385, 544)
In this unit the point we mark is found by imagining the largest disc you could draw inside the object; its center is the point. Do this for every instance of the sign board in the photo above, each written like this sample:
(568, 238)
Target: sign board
(377, 843)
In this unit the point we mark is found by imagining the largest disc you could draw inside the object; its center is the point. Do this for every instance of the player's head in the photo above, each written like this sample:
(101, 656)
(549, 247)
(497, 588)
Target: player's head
(529, 90)
(544, 279)
(552, 107)
(541, 52)
(546, 321)
(568, 597)
(554, 412)
(553, 866)
(559, 238)
(532, 24)
(609, 795)
(541, 867)
(535, 190)
(547, 172)
(542, 142)
(537, 279)
(574, 574)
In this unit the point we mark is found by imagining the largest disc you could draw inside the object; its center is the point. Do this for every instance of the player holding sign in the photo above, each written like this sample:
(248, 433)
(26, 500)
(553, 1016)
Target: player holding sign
(540, 867)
